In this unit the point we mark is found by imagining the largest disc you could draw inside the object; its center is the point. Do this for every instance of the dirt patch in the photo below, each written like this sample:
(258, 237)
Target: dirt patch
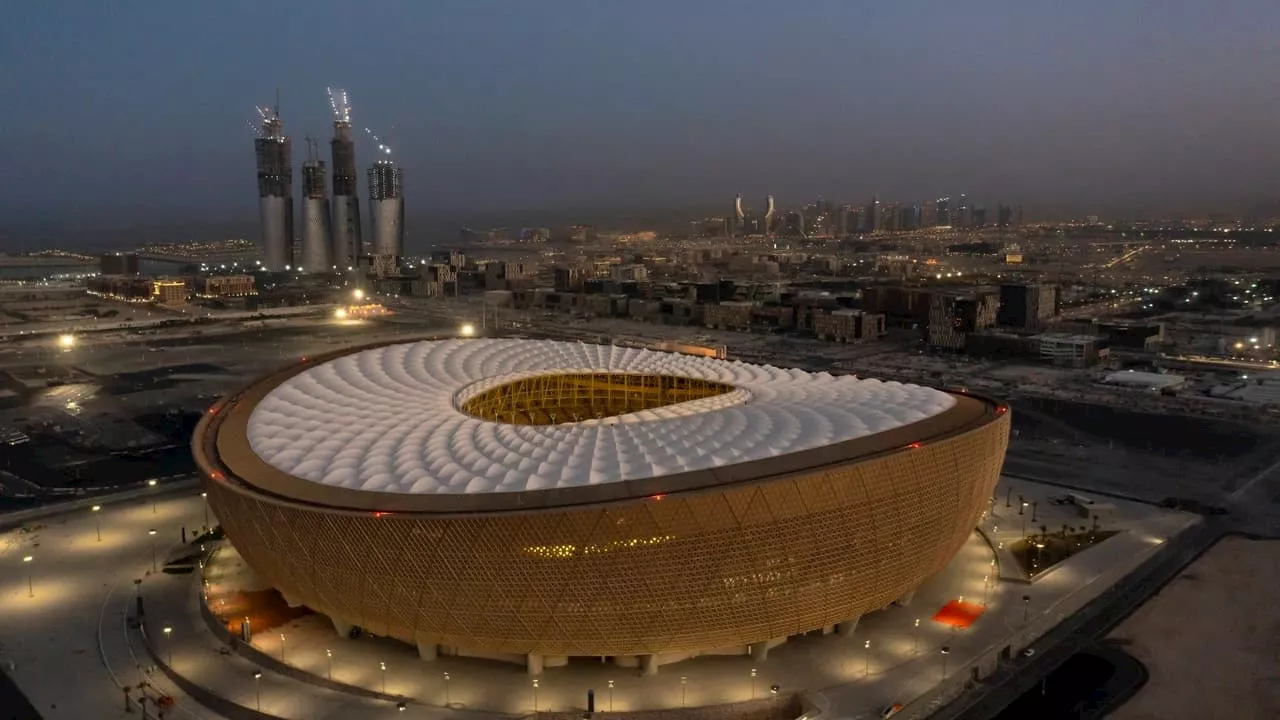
(1210, 639)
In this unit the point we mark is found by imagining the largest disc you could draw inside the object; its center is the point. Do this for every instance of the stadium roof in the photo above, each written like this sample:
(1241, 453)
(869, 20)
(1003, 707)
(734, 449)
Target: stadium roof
(388, 419)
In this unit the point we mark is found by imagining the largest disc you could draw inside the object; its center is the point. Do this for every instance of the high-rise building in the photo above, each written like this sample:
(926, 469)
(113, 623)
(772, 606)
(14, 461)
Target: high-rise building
(386, 208)
(739, 217)
(275, 192)
(872, 219)
(347, 237)
(929, 214)
(766, 226)
(1029, 307)
(317, 244)
(1004, 216)
(942, 214)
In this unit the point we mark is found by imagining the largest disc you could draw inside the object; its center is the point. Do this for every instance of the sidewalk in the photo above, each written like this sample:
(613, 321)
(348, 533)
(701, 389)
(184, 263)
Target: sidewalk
(193, 651)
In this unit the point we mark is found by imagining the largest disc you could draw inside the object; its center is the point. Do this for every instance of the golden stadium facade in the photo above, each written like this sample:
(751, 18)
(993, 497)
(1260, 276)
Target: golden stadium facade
(560, 499)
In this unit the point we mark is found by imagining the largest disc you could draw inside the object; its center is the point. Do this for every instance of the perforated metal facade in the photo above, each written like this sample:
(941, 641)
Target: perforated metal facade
(707, 560)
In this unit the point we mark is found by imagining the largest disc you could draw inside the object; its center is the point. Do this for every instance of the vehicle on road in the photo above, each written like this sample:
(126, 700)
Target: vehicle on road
(891, 710)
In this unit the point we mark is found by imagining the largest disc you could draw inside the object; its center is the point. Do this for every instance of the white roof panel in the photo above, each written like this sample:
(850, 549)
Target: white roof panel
(386, 419)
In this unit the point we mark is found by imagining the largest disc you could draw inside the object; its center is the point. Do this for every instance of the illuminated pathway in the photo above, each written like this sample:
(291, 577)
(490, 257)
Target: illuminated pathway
(82, 588)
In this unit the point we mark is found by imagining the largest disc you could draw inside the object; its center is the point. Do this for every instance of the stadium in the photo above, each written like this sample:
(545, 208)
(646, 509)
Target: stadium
(534, 500)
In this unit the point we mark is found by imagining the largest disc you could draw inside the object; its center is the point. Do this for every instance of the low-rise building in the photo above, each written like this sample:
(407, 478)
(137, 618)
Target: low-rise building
(848, 325)
(228, 286)
(169, 292)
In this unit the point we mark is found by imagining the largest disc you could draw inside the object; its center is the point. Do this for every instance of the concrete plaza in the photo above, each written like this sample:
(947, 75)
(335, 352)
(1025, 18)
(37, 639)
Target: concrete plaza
(71, 631)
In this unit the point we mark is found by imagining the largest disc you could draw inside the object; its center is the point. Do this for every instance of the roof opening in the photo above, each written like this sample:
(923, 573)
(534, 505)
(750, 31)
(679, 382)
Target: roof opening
(554, 399)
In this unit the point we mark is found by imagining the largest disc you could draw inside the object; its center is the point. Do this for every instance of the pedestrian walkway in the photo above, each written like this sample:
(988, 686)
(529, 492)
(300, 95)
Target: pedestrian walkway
(885, 648)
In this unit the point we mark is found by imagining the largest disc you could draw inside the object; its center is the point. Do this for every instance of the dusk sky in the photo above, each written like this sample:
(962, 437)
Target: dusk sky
(124, 110)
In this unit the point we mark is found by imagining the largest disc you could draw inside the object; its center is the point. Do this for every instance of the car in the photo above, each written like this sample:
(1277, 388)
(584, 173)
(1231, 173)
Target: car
(891, 710)
(1028, 652)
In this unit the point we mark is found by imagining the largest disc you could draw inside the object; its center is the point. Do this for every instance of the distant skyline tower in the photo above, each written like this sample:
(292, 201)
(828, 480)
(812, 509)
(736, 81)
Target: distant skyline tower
(386, 204)
(274, 155)
(739, 216)
(317, 245)
(348, 240)
(769, 210)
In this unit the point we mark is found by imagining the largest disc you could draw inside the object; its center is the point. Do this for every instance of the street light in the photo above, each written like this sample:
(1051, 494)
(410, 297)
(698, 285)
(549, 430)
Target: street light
(27, 561)
(257, 687)
(945, 652)
(152, 483)
(535, 695)
(915, 639)
(152, 533)
(467, 330)
(281, 647)
(446, 689)
(97, 520)
(66, 341)
(205, 496)
(383, 666)
(358, 294)
(329, 655)
(684, 686)
(402, 706)
(168, 641)
(753, 683)
(610, 696)
(866, 657)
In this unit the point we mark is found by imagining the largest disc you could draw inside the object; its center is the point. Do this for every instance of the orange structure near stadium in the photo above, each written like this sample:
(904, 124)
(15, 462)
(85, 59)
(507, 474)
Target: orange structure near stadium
(533, 500)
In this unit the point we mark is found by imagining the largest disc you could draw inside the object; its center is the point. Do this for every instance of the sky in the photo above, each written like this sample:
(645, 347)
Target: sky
(137, 111)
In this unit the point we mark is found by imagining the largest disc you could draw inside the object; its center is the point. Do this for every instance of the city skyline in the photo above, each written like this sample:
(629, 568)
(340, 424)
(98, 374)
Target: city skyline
(1111, 113)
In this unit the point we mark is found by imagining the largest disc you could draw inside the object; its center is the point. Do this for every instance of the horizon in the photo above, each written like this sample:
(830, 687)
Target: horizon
(1146, 110)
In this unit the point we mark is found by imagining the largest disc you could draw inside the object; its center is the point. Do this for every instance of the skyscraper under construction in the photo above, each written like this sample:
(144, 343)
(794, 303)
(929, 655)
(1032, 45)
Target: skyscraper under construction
(347, 237)
(275, 190)
(386, 207)
(317, 246)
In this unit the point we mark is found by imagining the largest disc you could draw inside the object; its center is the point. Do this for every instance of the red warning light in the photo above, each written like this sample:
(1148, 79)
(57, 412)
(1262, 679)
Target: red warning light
(656, 498)
(914, 446)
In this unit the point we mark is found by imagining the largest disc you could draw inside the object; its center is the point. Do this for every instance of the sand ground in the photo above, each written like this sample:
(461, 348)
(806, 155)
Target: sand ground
(1211, 638)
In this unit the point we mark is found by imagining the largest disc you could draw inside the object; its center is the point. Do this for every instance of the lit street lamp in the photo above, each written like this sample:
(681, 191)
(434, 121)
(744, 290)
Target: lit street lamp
(281, 647)
(684, 686)
(329, 656)
(383, 666)
(535, 695)
(205, 496)
(97, 520)
(66, 341)
(915, 639)
(446, 690)
(257, 687)
(866, 657)
(30, 589)
(945, 652)
(168, 641)
(152, 483)
(358, 294)
(152, 533)
(467, 330)
(753, 683)
(610, 696)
